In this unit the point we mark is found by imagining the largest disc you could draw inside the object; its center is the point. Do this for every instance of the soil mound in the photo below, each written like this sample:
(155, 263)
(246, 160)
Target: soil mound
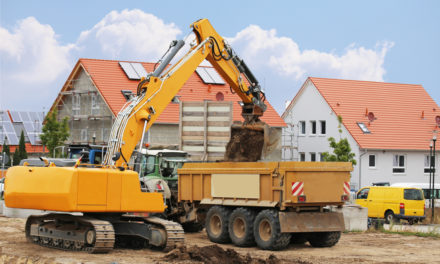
(215, 254)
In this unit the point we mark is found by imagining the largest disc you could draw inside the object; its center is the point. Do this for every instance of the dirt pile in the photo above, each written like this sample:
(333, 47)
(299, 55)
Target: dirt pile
(215, 254)
(246, 143)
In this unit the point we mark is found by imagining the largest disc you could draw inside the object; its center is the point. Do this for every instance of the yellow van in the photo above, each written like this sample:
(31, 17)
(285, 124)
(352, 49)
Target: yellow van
(393, 203)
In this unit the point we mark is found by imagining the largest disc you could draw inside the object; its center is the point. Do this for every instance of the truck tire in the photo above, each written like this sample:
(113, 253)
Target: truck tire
(298, 238)
(217, 224)
(267, 231)
(241, 227)
(324, 239)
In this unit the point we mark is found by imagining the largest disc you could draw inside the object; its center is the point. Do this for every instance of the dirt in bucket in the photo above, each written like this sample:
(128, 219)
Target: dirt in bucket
(246, 143)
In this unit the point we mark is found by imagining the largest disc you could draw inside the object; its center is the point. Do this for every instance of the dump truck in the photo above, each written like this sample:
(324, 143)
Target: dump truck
(268, 204)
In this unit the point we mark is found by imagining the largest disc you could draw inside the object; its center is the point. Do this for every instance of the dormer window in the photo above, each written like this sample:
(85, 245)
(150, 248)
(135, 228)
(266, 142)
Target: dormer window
(127, 94)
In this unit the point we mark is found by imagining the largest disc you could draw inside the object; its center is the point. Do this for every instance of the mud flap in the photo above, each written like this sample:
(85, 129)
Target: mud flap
(293, 222)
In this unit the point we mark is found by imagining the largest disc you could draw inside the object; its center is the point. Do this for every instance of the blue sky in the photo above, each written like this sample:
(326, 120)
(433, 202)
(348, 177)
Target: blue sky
(283, 42)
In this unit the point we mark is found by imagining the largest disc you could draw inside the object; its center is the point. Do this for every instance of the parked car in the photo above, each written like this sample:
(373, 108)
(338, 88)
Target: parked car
(393, 203)
(2, 187)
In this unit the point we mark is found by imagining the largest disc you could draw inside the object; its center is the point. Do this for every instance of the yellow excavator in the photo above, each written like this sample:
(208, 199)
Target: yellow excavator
(92, 201)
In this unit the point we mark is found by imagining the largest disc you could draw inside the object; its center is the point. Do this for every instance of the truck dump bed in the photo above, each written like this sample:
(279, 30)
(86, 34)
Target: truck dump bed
(267, 184)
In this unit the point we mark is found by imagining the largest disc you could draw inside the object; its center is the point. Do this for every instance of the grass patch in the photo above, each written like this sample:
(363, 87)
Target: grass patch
(406, 233)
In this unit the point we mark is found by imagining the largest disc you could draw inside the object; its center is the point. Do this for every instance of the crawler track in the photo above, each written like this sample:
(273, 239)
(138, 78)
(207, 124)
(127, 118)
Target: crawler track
(53, 231)
(174, 232)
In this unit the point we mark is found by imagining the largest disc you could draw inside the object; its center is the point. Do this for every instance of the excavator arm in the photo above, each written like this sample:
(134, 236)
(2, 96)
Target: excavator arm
(157, 90)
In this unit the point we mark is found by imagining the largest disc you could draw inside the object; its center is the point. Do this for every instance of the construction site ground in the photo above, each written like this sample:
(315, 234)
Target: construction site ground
(354, 247)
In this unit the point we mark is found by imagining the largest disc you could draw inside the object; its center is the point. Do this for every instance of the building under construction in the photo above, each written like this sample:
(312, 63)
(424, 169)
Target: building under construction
(96, 91)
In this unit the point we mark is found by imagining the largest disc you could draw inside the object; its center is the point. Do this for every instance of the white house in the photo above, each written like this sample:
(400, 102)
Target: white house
(389, 126)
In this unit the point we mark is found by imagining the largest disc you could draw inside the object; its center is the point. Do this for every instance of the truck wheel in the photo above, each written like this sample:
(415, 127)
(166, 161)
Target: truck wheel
(241, 227)
(390, 217)
(267, 231)
(324, 239)
(217, 224)
(298, 238)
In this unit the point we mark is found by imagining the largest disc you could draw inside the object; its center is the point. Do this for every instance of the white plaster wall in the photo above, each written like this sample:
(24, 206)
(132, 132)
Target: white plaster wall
(310, 105)
(383, 172)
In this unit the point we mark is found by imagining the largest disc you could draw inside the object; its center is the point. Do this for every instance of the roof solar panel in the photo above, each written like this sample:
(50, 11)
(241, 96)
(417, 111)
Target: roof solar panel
(214, 75)
(129, 70)
(12, 139)
(7, 127)
(41, 116)
(25, 116)
(139, 69)
(15, 116)
(34, 138)
(34, 116)
(4, 116)
(29, 127)
(206, 78)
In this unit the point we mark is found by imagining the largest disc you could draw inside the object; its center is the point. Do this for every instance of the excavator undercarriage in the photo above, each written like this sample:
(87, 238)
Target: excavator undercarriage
(100, 233)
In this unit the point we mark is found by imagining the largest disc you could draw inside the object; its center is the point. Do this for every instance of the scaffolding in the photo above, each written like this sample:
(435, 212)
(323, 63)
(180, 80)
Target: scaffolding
(289, 139)
(90, 119)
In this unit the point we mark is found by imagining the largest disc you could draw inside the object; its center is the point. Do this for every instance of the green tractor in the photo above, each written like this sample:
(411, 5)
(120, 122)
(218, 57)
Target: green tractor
(157, 170)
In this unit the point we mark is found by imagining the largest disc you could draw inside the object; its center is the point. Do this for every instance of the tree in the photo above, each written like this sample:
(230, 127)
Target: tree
(5, 148)
(341, 149)
(16, 157)
(22, 147)
(54, 132)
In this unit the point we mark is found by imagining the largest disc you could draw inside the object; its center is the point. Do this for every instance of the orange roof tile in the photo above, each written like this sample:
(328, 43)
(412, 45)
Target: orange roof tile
(29, 148)
(110, 79)
(405, 114)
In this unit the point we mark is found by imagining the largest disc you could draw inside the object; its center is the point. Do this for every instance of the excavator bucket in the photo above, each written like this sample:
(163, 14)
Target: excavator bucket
(251, 142)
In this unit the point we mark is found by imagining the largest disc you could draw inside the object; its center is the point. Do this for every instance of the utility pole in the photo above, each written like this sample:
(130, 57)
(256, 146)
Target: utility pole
(434, 139)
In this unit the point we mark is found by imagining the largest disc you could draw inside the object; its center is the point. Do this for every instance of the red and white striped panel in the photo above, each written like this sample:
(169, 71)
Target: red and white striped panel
(297, 188)
(346, 188)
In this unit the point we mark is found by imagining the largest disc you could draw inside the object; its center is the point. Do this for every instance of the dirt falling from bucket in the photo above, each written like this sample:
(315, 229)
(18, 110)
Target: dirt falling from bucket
(245, 144)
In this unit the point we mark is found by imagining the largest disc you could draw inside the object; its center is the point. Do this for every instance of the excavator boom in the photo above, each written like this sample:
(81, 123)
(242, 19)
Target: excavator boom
(157, 90)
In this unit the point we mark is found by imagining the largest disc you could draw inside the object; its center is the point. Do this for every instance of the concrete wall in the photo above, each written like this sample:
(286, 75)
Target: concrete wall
(164, 134)
(85, 119)
(308, 106)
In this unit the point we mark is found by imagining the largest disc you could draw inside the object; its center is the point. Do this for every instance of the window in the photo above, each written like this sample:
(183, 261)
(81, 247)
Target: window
(321, 157)
(412, 194)
(302, 127)
(127, 94)
(302, 156)
(363, 194)
(76, 104)
(363, 127)
(312, 156)
(323, 127)
(95, 105)
(427, 168)
(372, 161)
(398, 164)
(84, 135)
(313, 125)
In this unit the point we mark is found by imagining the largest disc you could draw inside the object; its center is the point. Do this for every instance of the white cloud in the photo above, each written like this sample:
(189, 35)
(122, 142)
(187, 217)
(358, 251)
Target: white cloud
(129, 35)
(32, 53)
(264, 49)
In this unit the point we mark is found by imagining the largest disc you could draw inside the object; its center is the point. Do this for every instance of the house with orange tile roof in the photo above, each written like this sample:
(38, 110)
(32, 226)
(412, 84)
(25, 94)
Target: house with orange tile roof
(96, 90)
(389, 127)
